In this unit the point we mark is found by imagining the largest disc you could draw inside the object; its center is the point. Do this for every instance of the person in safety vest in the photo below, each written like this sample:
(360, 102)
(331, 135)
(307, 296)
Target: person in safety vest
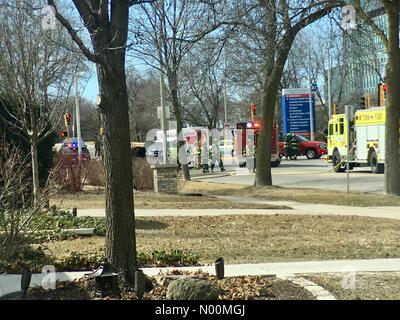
(251, 152)
(215, 155)
(291, 146)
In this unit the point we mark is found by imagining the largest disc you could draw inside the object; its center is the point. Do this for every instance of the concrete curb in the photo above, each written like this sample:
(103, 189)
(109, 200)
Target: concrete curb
(316, 290)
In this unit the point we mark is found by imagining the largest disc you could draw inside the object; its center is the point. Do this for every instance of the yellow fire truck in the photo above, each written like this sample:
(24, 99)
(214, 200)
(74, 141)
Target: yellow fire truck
(367, 140)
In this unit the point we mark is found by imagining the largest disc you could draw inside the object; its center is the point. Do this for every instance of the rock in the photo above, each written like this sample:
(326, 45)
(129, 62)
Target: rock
(192, 289)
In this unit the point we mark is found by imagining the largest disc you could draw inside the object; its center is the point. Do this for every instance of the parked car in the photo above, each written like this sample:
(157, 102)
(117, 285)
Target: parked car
(70, 147)
(310, 149)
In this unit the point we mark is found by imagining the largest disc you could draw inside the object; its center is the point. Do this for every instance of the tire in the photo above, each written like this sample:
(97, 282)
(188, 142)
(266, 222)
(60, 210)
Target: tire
(311, 154)
(276, 163)
(376, 167)
(335, 162)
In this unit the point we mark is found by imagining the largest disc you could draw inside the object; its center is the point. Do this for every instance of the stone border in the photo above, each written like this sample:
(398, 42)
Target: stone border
(316, 290)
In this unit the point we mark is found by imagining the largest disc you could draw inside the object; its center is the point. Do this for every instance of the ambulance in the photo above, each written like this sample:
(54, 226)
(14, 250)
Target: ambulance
(366, 133)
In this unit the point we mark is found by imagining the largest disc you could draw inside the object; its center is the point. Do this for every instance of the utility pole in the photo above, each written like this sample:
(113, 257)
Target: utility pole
(163, 118)
(310, 93)
(78, 117)
(225, 105)
(329, 71)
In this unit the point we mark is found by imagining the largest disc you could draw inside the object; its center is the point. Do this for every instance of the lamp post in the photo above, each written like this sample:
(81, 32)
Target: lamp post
(163, 118)
(78, 116)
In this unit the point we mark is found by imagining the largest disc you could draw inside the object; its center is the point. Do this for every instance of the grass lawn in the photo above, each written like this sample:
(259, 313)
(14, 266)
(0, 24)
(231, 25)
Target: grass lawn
(253, 239)
(151, 200)
(291, 194)
(368, 286)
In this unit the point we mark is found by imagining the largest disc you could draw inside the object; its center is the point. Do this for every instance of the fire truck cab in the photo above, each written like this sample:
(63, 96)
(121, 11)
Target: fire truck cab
(367, 140)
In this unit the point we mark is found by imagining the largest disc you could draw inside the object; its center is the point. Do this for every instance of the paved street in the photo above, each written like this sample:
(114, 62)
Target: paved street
(305, 173)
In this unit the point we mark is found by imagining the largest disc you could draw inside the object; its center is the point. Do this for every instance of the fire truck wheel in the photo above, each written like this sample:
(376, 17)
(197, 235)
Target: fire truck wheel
(311, 154)
(336, 161)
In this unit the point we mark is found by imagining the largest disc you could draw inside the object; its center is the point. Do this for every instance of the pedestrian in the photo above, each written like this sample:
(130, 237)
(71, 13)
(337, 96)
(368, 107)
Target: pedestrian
(291, 146)
(215, 155)
(97, 147)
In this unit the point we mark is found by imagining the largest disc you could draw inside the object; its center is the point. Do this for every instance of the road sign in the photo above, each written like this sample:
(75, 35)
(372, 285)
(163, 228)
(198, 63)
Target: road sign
(296, 111)
(167, 112)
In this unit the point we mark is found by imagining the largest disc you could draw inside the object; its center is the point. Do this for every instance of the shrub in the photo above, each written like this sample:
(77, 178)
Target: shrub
(83, 261)
(19, 217)
(142, 175)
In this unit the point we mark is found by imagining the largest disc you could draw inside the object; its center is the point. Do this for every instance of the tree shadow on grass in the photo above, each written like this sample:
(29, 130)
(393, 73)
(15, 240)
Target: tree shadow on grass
(150, 225)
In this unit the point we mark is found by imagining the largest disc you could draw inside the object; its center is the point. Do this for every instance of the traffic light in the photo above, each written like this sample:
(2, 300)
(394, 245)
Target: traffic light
(382, 89)
(362, 102)
(253, 110)
(67, 119)
(64, 134)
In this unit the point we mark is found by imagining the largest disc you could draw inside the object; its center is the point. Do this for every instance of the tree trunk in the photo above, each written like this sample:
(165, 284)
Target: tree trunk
(392, 166)
(173, 83)
(35, 172)
(120, 238)
(272, 78)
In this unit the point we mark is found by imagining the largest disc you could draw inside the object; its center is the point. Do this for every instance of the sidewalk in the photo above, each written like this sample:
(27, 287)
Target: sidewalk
(11, 283)
(297, 209)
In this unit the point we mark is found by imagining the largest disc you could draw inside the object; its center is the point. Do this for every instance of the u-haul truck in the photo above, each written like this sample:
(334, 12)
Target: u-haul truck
(367, 140)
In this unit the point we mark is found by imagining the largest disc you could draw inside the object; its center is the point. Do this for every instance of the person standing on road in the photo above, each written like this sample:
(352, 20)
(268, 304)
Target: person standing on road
(215, 155)
(291, 146)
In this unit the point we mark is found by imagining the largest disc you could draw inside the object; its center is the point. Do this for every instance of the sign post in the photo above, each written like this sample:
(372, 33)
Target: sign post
(348, 111)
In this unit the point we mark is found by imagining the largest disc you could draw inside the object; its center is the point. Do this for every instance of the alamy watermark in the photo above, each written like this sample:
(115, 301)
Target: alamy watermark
(349, 18)
(349, 279)
(49, 18)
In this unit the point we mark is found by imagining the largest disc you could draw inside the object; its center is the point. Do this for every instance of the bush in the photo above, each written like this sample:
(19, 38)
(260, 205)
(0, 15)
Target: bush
(83, 261)
(142, 175)
(72, 175)
(174, 258)
(27, 257)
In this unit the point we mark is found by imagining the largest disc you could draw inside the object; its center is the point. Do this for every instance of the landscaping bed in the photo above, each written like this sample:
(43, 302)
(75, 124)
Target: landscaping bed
(237, 288)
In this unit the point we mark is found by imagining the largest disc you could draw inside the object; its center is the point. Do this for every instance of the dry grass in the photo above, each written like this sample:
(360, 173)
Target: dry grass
(254, 239)
(291, 194)
(368, 286)
(149, 200)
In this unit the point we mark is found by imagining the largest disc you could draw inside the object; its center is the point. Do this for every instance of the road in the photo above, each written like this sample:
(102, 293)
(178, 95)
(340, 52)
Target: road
(306, 173)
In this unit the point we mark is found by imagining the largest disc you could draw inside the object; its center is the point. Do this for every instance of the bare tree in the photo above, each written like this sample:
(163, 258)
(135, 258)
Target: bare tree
(390, 40)
(166, 32)
(36, 74)
(277, 23)
(18, 217)
(144, 97)
(107, 22)
(202, 84)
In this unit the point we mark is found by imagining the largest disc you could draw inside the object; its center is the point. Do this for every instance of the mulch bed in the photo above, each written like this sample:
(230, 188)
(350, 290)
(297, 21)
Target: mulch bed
(236, 288)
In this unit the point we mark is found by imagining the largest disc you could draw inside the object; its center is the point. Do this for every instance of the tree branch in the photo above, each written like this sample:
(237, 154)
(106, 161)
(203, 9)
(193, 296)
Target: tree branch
(67, 25)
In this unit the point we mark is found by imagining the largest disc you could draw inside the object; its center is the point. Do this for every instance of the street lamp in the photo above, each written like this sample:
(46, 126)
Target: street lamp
(78, 115)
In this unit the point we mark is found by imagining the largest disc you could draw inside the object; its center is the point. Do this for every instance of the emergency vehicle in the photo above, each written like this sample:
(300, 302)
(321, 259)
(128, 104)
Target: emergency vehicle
(246, 141)
(366, 131)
